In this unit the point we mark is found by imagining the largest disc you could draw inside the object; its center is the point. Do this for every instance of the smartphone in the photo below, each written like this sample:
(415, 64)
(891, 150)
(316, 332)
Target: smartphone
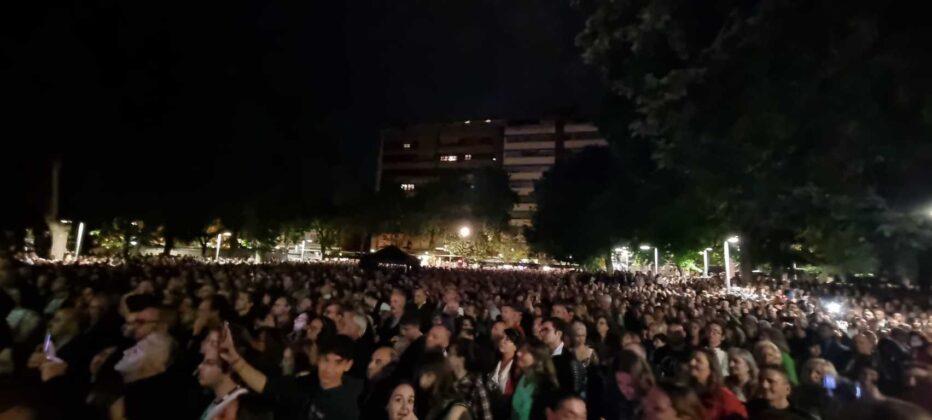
(47, 346)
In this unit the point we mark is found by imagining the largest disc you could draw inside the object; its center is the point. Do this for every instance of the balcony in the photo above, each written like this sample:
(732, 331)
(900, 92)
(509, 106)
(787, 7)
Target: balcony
(523, 176)
(579, 144)
(529, 160)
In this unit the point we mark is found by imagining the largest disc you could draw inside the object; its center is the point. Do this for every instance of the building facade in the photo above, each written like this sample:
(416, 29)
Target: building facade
(417, 154)
(530, 148)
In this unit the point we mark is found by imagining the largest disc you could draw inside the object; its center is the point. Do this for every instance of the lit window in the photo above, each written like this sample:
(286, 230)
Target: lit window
(467, 157)
(407, 187)
(448, 158)
(406, 145)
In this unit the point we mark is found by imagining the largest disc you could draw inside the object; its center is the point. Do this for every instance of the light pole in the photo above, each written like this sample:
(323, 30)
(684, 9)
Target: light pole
(656, 257)
(464, 232)
(728, 270)
(705, 262)
(303, 245)
(77, 245)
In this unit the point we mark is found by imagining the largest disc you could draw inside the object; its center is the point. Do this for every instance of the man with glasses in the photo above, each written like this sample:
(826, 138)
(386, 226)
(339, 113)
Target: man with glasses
(143, 317)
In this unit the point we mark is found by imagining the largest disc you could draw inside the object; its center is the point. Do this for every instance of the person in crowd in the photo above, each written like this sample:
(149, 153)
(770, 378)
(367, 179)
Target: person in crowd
(143, 317)
(633, 378)
(671, 359)
(441, 400)
(318, 329)
(715, 335)
(216, 375)
(464, 360)
(566, 407)
(538, 379)
(423, 309)
(742, 374)
(401, 403)
(381, 379)
(587, 356)
(571, 376)
(335, 394)
(705, 375)
(355, 326)
(606, 341)
(774, 401)
(669, 401)
(438, 338)
(390, 327)
(149, 384)
(504, 377)
(511, 316)
(282, 312)
(561, 310)
(863, 351)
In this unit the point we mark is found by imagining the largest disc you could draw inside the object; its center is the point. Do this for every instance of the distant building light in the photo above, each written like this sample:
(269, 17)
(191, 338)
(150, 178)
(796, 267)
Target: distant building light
(133, 243)
(488, 121)
(467, 157)
(406, 145)
(67, 222)
(407, 187)
(448, 158)
(494, 159)
(467, 122)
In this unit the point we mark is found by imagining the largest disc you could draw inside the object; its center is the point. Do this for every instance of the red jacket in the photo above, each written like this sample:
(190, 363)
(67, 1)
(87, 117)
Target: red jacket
(724, 405)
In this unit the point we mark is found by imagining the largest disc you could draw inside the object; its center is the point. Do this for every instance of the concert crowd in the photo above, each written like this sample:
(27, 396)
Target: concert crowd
(176, 338)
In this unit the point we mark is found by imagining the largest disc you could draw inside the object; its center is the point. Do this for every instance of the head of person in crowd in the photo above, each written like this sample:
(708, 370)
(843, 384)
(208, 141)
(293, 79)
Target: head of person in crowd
(143, 316)
(438, 338)
(510, 343)
(397, 302)
(243, 303)
(401, 403)
(715, 335)
(580, 336)
(767, 353)
(410, 327)
(562, 311)
(354, 325)
(150, 356)
(97, 307)
(671, 401)
(213, 372)
(552, 332)
(815, 370)
(463, 356)
(319, 328)
(633, 375)
(741, 366)
(865, 343)
(295, 360)
(381, 358)
(282, 308)
(534, 360)
(566, 406)
(335, 358)
(511, 315)
(435, 378)
(774, 387)
(213, 308)
(466, 326)
(334, 311)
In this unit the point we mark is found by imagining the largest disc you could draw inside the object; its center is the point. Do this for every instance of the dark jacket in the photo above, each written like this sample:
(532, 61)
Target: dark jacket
(571, 374)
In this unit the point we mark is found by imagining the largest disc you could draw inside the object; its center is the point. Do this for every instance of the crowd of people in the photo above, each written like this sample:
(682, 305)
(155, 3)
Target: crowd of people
(175, 338)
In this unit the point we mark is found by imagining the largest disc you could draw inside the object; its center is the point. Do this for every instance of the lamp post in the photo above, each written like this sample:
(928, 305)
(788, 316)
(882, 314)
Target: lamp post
(705, 262)
(77, 245)
(656, 257)
(728, 270)
(464, 232)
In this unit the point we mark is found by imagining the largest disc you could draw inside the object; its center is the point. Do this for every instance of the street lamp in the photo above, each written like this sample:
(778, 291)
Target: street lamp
(465, 231)
(728, 270)
(77, 245)
(705, 262)
(656, 257)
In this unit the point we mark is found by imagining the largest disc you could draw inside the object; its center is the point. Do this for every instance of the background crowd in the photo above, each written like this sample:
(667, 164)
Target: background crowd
(175, 338)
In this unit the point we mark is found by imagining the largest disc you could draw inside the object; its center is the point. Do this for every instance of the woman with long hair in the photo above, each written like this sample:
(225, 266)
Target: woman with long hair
(538, 377)
(504, 377)
(436, 379)
(776, 337)
(669, 401)
(742, 374)
(318, 329)
(633, 379)
(706, 378)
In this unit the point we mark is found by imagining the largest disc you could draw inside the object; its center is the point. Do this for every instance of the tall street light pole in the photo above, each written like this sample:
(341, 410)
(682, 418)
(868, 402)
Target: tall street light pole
(728, 270)
(77, 245)
(705, 262)
(656, 257)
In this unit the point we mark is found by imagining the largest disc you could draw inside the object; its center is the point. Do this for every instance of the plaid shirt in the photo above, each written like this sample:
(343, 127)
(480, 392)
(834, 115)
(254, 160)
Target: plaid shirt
(473, 389)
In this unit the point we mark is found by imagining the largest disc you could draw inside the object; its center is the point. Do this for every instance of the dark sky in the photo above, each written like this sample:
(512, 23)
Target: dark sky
(144, 100)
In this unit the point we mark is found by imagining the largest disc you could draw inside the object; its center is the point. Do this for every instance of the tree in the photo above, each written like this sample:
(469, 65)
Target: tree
(778, 110)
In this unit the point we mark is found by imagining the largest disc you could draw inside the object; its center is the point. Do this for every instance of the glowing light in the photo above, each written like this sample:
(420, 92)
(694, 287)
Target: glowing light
(488, 121)
(465, 231)
(133, 243)
(467, 121)
(645, 247)
(833, 307)
(227, 234)
(619, 249)
(67, 222)
(733, 239)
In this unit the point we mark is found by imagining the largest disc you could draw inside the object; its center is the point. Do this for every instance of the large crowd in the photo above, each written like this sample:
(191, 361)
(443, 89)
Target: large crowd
(175, 338)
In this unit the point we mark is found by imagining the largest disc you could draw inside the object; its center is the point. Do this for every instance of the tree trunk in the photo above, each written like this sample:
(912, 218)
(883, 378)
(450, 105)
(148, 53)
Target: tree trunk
(60, 232)
(234, 240)
(203, 241)
(169, 243)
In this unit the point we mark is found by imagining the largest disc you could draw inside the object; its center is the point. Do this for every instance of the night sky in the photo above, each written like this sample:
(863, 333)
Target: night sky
(140, 99)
